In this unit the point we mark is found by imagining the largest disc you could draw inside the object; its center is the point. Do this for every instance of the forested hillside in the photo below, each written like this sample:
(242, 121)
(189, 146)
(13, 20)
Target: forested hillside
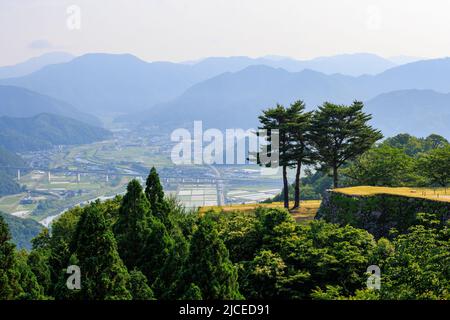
(22, 230)
(144, 246)
(46, 130)
(7, 183)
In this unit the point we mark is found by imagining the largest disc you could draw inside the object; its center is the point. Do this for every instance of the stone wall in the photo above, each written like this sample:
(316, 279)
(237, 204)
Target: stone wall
(379, 213)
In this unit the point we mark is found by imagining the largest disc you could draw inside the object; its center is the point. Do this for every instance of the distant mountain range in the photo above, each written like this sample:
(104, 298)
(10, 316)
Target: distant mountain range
(232, 91)
(20, 102)
(108, 83)
(235, 99)
(420, 112)
(46, 130)
(34, 64)
(123, 83)
(346, 64)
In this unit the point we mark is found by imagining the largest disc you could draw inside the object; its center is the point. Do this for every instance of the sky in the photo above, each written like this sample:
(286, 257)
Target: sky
(180, 30)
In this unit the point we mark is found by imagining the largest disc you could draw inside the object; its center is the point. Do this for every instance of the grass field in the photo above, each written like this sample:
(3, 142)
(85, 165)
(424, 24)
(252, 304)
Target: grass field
(438, 194)
(307, 210)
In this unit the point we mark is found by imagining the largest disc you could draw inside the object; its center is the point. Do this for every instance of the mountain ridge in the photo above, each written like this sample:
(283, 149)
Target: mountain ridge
(46, 130)
(33, 64)
(21, 102)
(100, 82)
(257, 87)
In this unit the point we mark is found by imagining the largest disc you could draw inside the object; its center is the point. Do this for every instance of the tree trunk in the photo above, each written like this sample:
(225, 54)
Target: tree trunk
(297, 186)
(285, 188)
(335, 177)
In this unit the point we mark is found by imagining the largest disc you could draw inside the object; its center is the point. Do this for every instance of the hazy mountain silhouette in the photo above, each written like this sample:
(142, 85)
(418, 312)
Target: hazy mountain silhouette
(420, 112)
(348, 64)
(123, 83)
(235, 99)
(20, 102)
(404, 59)
(222, 91)
(34, 64)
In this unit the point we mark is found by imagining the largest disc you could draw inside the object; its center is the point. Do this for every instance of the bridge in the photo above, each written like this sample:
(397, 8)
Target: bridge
(218, 180)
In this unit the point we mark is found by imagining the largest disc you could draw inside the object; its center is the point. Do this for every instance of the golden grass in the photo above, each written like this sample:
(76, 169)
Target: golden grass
(438, 194)
(307, 210)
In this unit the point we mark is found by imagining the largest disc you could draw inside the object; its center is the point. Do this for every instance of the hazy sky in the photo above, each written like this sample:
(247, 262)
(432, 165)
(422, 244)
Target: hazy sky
(179, 30)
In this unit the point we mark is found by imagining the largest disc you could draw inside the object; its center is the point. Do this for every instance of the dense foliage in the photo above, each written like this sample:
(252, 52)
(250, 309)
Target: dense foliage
(328, 139)
(399, 161)
(403, 160)
(125, 251)
(22, 230)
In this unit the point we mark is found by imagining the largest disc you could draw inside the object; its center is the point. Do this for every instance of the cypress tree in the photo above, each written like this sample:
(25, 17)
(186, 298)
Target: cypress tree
(132, 227)
(8, 276)
(103, 274)
(30, 289)
(138, 286)
(167, 284)
(209, 266)
(155, 195)
(158, 247)
(192, 293)
(17, 281)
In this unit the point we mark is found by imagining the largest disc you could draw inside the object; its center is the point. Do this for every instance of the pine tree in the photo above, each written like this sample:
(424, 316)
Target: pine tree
(300, 151)
(277, 119)
(209, 266)
(341, 133)
(103, 274)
